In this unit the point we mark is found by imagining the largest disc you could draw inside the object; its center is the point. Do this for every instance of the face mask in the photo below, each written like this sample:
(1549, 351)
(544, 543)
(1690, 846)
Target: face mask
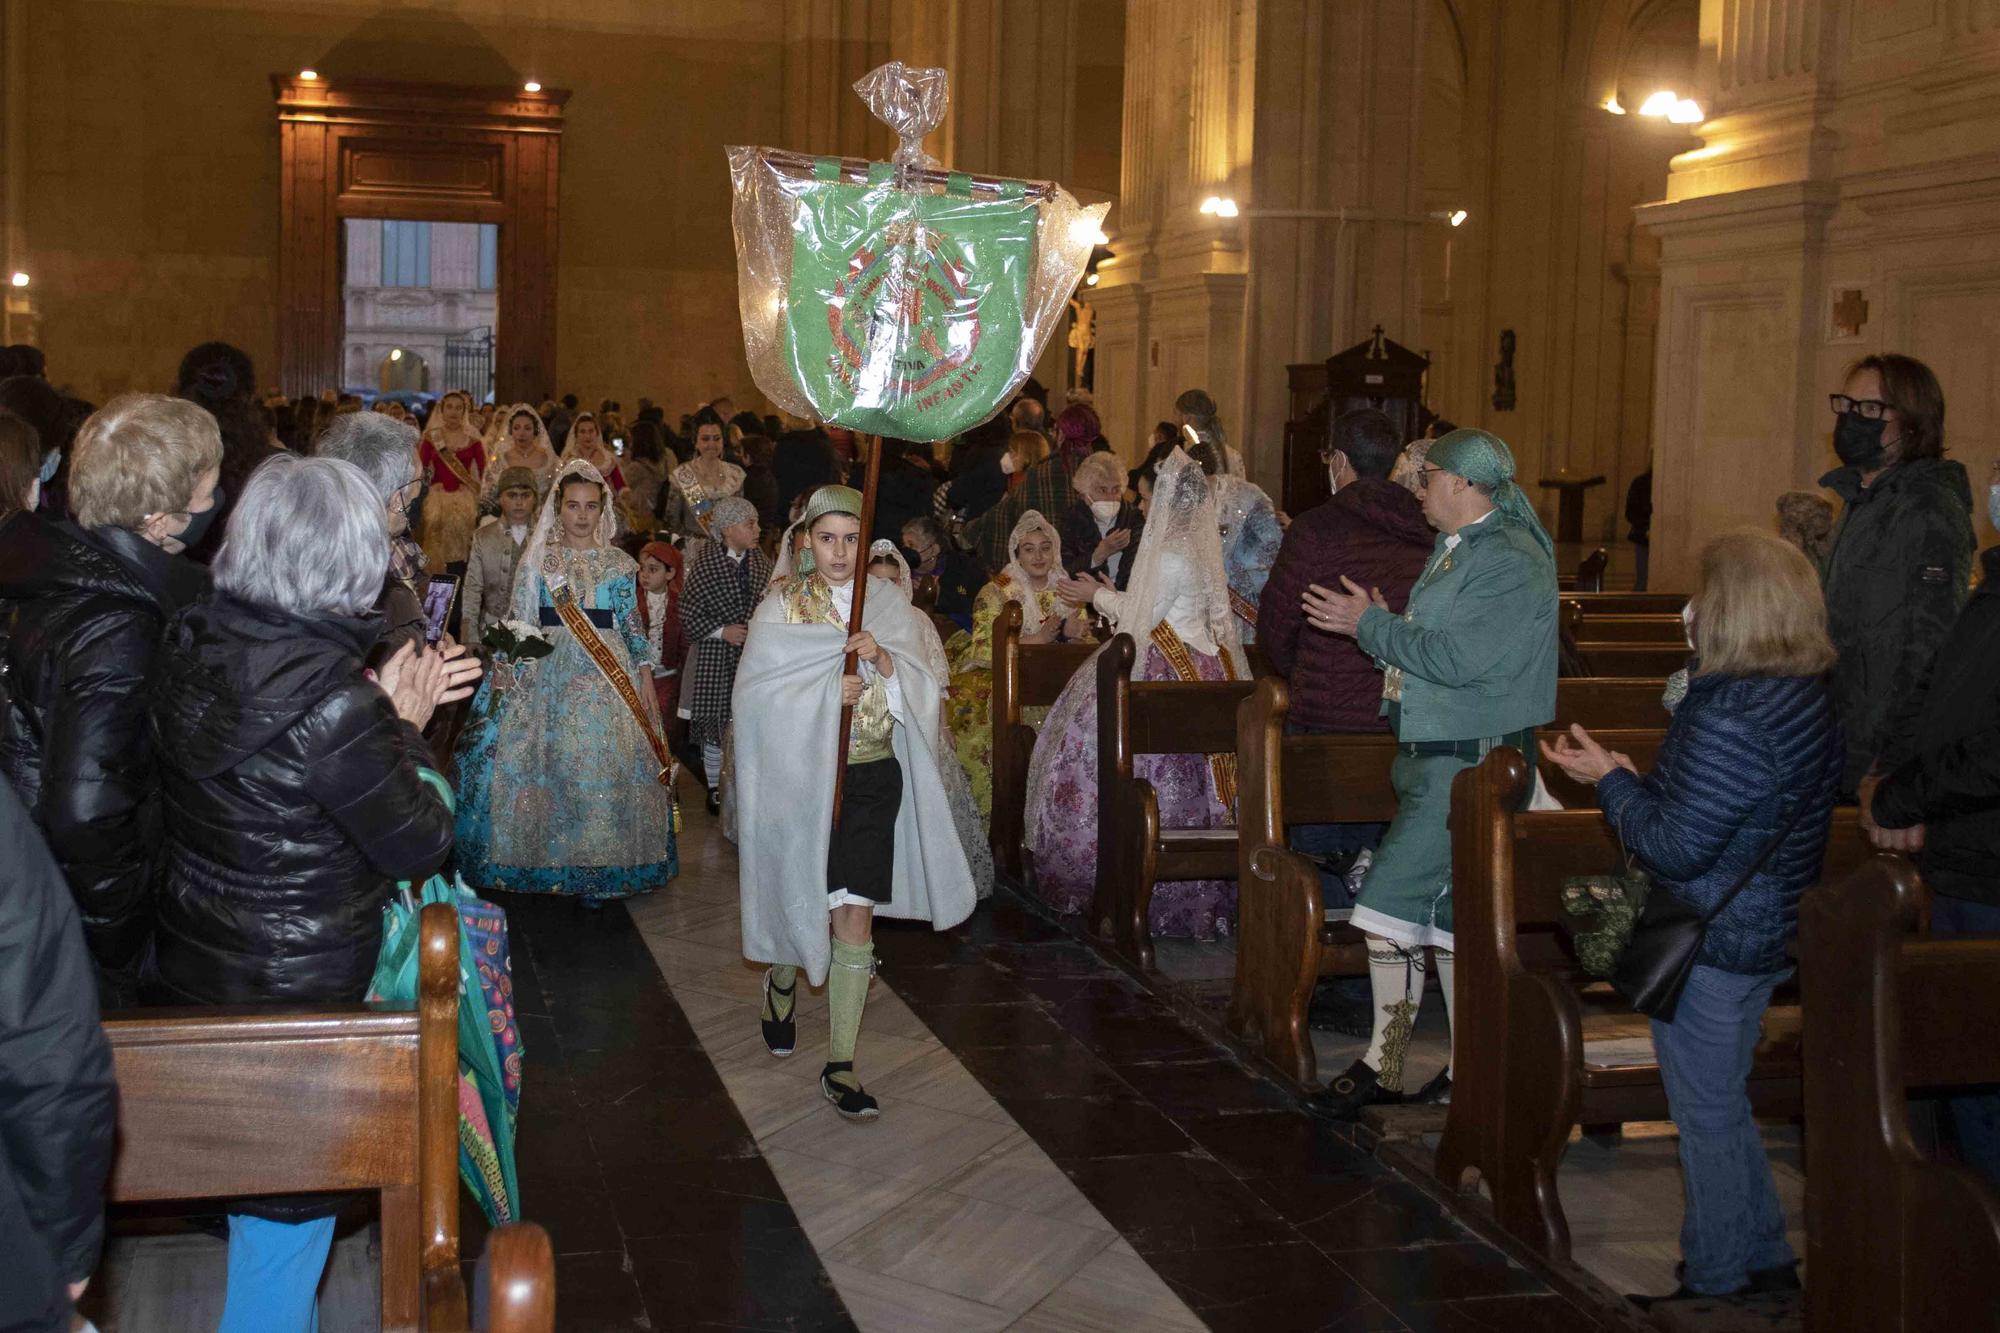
(1993, 504)
(1007, 464)
(1687, 625)
(192, 534)
(1105, 510)
(1858, 440)
(50, 462)
(1333, 478)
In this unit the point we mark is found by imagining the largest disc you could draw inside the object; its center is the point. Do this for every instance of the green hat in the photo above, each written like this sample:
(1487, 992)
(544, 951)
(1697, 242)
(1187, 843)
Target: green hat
(1484, 458)
(826, 500)
(831, 500)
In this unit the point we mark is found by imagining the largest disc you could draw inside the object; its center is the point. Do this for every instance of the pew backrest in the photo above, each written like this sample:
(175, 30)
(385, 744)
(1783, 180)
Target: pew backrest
(1895, 1241)
(227, 1102)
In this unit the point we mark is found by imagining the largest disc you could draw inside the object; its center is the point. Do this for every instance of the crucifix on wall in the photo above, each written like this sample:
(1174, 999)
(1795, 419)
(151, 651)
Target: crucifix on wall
(1850, 314)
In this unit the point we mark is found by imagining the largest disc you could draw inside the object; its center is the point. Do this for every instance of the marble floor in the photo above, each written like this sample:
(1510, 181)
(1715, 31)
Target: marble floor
(1059, 1149)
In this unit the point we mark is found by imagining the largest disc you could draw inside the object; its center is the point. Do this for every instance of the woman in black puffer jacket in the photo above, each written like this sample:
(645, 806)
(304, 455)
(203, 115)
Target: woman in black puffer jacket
(293, 796)
(1750, 765)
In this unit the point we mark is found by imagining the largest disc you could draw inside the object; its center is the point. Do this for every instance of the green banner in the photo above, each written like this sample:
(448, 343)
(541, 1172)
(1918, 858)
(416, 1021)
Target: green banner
(904, 314)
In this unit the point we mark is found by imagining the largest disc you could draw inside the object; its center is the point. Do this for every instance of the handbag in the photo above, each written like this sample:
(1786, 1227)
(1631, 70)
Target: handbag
(489, 1038)
(1644, 939)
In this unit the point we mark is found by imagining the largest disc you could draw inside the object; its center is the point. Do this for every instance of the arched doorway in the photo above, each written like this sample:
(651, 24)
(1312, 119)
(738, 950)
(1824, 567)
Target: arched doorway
(422, 153)
(403, 370)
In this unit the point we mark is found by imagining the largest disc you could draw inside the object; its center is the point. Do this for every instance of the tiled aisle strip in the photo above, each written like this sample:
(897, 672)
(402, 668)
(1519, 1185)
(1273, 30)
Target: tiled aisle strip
(941, 1215)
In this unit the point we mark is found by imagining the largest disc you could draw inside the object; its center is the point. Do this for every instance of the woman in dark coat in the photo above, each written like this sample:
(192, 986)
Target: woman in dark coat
(85, 603)
(293, 797)
(1100, 530)
(1748, 771)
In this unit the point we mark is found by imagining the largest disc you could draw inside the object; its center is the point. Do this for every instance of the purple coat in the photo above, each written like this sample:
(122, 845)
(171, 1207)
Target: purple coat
(1374, 532)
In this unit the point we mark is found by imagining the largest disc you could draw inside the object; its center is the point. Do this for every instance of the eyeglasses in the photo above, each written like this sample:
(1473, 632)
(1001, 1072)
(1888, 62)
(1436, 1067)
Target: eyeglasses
(1424, 476)
(1868, 409)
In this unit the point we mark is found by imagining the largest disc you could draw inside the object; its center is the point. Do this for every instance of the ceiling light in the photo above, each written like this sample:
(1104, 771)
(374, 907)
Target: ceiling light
(308, 75)
(1611, 104)
(396, 355)
(20, 279)
(1660, 103)
(1457, 217)
(531, 87)
(1090, 280)
(1686, 112)
(1218, 206)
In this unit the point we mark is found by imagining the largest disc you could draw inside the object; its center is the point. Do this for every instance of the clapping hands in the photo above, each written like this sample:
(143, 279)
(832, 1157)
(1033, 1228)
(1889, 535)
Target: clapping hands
(1340, 612)
(1578, 755)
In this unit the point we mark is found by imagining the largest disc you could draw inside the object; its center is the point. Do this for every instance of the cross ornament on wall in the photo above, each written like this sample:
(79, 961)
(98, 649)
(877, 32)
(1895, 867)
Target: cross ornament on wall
(1850, 314)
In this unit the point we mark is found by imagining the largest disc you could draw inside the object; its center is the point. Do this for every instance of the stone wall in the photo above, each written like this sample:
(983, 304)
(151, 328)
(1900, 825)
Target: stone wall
(141, 152)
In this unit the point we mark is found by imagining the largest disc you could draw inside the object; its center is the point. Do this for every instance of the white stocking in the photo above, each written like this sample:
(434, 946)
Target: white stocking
(1396, 981)
(1443, 960)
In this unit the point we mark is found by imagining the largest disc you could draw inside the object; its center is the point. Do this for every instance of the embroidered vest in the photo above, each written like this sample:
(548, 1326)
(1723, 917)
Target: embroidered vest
(809, 601)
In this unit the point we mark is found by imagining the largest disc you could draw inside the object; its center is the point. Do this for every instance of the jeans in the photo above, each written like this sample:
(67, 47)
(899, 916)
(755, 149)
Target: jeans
(274, 1273)
(1976, 1117)
(1733, 1224)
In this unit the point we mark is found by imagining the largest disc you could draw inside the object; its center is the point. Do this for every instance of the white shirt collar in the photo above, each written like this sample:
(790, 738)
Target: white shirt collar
(1451, 542)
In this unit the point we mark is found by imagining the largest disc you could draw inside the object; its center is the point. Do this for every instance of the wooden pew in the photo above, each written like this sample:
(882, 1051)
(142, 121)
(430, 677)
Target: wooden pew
(1519, 1081)
(223, 1103)
(1894, 1241)
(1284, 941)
(1627, 603)
(1024, 676)
(1133, 852)
(1626, 626)
(1589, 576)
(1631, 659)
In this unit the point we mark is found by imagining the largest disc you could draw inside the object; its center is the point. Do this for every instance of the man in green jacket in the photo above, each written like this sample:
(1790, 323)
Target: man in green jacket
(1469, 667)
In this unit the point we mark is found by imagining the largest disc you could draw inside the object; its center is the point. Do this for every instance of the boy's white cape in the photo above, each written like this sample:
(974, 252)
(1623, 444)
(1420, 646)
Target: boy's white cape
(786, 712)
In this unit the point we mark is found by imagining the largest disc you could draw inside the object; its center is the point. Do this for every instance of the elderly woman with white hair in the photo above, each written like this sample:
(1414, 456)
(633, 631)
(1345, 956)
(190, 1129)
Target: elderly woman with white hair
(293, 798)
(1100, 530)
(386, 452)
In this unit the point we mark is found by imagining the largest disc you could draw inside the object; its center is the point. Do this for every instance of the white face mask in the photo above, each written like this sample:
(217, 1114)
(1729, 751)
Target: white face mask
(1687, 626)
(1993, 504)
(1007, 464)
(1105, 510)
(1333, 478)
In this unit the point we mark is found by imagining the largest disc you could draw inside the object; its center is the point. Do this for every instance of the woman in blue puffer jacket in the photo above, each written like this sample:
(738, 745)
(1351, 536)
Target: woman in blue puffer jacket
(1752, 747)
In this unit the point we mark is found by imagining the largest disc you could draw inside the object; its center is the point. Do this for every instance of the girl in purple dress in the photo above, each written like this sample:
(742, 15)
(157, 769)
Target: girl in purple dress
(1176, 607)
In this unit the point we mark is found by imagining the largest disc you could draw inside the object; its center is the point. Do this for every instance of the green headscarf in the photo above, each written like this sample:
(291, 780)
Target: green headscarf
(1483, 458)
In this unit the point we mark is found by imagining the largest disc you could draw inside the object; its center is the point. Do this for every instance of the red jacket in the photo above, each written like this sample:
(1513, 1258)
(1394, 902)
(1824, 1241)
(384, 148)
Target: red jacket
(1374, 532)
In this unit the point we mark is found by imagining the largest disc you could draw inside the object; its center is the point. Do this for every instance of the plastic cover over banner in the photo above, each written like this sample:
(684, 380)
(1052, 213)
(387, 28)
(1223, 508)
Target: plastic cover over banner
(891, 297)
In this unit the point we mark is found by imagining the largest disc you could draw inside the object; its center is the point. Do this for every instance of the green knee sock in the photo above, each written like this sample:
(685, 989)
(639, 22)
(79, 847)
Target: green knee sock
(778, 1007)
(846, 995)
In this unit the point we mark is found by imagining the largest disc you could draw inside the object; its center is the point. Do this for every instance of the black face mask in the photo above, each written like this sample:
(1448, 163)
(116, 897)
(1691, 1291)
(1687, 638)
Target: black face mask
(1858, 440)
(190, 536)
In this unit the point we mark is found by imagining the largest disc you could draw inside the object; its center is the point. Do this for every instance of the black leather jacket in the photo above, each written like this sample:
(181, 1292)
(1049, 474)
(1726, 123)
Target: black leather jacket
(292, 805)
(81, 615)
(58, 1101)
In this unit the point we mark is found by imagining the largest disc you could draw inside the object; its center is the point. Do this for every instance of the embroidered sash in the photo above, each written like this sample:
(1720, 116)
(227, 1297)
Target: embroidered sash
(1221, 767)
(449, 458)
(1245, 609)
(579, 624)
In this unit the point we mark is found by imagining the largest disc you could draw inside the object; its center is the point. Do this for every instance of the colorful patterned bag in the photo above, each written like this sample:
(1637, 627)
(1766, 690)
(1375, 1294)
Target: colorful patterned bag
(489, 1040)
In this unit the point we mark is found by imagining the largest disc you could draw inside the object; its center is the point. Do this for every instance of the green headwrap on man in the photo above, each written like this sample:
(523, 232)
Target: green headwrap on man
(1486, 461)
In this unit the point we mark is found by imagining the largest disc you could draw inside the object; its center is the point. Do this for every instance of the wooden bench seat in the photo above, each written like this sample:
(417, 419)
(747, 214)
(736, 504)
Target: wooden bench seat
(1133, 852)
(1629, 627)
(1632, 659)
(223, 1103)
(1025, 676)
(1284, 941)
(1895, 1242)
(1519, 1080)
(1628, 603)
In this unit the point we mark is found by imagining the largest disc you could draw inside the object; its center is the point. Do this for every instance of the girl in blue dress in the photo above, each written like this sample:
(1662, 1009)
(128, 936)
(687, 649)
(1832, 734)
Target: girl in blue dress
(559, 786)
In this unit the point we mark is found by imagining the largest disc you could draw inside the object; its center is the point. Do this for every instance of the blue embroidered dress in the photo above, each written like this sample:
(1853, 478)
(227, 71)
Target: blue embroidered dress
(558, 790)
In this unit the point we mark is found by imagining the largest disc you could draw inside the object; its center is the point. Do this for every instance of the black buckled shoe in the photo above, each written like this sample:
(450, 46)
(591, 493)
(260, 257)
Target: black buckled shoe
(1437, 1092)
(781, 1035)
(847, 1098)
(1342, 1099)
(715, 801)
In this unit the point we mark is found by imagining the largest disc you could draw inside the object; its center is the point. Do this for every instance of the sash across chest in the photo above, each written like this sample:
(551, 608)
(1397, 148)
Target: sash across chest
(599, 616)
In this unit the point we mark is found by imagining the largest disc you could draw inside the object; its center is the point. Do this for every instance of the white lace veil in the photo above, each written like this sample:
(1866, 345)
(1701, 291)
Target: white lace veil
(882, 548)
(785, 566)
(527, 599)
(1031, 607)
(1179, 575)
(569, 440)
